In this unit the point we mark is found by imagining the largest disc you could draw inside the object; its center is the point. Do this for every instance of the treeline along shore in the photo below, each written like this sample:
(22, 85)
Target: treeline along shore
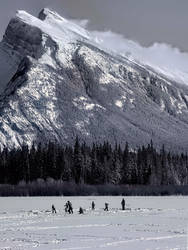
(100, 169)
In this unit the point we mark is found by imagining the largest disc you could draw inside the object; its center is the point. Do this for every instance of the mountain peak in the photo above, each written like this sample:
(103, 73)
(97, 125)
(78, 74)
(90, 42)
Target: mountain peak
(57, 84)
(43, 14)
(53, 24)
(27, 35)
(48, 13)
(53, 18)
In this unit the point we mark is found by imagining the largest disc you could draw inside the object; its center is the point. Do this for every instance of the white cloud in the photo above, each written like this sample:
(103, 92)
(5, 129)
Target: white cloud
(162, 57)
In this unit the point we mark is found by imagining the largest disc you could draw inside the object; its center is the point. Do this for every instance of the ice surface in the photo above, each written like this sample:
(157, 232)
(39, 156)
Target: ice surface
(148, 223)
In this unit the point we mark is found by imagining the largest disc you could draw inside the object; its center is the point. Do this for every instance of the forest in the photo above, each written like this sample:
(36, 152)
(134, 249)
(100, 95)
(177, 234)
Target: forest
(97, 164)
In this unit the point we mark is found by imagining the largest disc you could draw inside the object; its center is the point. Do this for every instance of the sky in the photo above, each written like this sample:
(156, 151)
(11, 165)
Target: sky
(143, 21)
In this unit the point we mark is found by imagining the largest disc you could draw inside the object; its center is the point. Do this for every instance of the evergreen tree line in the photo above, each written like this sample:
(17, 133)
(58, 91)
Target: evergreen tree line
(93, 165)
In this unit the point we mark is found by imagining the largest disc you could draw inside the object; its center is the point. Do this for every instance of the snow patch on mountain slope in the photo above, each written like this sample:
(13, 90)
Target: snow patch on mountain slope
(119, 103)
(55, 20)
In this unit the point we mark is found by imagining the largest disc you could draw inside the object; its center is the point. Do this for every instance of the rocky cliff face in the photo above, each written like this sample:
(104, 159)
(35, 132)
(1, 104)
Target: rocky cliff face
(56, 83)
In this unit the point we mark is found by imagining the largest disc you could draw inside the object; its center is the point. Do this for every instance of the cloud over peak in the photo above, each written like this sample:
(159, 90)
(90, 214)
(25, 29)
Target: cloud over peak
(163, 57)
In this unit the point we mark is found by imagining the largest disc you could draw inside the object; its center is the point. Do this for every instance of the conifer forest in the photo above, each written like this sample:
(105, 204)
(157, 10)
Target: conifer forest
(93, 165)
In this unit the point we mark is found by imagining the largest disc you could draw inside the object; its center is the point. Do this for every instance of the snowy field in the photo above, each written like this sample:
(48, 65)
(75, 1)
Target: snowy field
(148, 223)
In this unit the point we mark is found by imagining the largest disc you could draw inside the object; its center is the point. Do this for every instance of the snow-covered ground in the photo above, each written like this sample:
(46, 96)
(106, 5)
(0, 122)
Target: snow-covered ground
(148, 223)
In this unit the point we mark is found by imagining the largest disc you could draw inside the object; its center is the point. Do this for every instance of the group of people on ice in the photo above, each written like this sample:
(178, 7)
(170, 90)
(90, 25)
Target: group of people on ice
(69, 207)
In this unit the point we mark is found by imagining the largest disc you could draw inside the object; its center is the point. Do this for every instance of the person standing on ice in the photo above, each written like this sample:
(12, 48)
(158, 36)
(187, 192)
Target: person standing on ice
(123, 204)
(81, 211)
(53, 210)
(106, 207)
(66, 207)
(93, 205)
(70, 209)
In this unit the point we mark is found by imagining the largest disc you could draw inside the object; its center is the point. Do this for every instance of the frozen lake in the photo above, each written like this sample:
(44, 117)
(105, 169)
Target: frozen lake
(148, 223)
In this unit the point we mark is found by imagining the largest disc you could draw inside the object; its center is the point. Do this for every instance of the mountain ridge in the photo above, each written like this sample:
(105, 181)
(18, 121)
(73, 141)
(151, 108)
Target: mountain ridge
(61, 85)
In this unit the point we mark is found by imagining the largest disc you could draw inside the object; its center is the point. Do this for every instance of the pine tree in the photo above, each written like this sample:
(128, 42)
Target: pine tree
(78, 163)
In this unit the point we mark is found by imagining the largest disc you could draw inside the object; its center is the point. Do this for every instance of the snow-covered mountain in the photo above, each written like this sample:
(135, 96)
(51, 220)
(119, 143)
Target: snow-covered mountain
(56, 82)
